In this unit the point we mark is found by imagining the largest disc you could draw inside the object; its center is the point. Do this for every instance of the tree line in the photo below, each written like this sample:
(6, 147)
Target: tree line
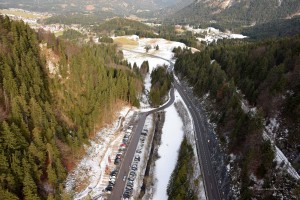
(263, 72)
(161, 81)
(41, 116)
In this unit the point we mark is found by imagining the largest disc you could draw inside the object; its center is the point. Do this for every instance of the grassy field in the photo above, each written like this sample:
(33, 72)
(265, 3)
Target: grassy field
(59, 33)
(125, 41)
(23, 14)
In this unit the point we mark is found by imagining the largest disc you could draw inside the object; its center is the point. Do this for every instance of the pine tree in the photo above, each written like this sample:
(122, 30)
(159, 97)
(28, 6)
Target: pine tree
(29, 188)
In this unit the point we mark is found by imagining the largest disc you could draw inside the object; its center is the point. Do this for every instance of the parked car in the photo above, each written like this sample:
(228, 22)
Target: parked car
(144, 132)
(109, 188)
(134, 165)
(132, 173)
(137, 158)
(138, 151)
(130, 178)
(112, 180)
(126, 195)
(114, 172)
(128, 187)
(112, 177)
(117, 161)
(133, 168)
(119, 155)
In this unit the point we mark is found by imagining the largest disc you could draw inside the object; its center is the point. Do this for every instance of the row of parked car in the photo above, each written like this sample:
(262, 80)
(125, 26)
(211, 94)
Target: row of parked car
(122, 147)
(132, 174)
(131, 177)
(118, 158)
(112, 180)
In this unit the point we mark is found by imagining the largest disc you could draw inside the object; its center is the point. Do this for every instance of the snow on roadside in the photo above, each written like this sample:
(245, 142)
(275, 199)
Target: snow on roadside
(92, 166)
(190, 134)
(168, 151)
(144, 155)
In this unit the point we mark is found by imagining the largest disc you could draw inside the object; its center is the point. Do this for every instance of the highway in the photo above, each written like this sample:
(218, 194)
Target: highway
(202, 143)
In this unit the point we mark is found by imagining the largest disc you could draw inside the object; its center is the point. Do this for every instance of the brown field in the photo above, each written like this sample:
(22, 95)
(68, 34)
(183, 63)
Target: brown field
(125, 41)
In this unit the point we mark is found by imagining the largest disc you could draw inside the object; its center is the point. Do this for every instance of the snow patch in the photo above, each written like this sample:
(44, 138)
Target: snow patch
(168, 151)
(213, 35)
(282, 160)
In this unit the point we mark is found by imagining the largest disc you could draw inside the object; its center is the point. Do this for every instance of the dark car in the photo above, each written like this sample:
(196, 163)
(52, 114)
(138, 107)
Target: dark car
(109, 188)
(114, 173)
(130, 178)
(117, 161)
(144, 133)
(126, 195)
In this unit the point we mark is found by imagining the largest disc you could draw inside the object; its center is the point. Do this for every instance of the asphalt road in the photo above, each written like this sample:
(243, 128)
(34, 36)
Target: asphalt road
(202, 143)
(118, 189)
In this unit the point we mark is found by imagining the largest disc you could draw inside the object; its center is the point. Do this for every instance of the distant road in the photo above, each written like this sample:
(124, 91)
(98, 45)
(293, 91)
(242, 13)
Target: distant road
(202, 143)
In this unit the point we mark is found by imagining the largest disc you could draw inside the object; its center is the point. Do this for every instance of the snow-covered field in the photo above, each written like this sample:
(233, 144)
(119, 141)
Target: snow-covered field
(165, 50)
(168, 151)
(213, 35)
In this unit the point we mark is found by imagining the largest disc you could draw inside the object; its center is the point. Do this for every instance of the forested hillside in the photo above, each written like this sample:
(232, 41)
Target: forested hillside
(79, 18)
(121, 26)
(266, 75)
(235, 13)
(275, 28)
(44, 120)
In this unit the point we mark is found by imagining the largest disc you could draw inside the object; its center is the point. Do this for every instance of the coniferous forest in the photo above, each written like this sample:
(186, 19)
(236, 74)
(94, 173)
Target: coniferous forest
(46, 117)
(264, 74)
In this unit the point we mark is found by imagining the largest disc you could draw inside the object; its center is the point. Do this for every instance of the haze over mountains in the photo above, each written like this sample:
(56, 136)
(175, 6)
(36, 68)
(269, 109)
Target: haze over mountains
(115, 6)
(229, 12)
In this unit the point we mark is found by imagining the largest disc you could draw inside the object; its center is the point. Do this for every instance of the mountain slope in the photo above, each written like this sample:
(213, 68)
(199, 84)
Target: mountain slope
(237, 11)
(115, 6)
(230, 76)
(46, 115)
